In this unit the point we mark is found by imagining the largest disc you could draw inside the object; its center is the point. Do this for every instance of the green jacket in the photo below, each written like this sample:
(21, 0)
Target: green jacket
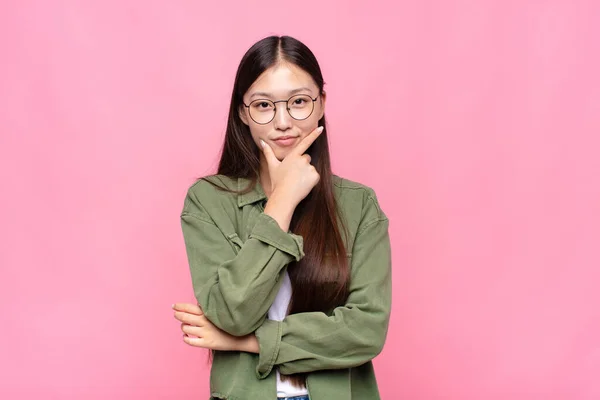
(237, 255)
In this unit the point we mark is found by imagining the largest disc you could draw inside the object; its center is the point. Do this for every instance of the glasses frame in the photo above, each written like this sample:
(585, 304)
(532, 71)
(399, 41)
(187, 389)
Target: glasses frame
(286, 106)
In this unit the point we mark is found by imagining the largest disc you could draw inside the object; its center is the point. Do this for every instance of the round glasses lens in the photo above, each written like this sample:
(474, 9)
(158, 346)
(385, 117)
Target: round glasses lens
(300, 106)
(262, 111)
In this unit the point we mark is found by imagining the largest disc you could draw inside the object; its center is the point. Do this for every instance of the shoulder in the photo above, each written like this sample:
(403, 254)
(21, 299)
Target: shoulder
(357, 199)
(345, 185)
(213, 184)
(208, 191)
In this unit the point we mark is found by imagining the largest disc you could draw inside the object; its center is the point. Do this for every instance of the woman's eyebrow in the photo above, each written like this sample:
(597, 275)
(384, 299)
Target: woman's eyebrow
(291, 92)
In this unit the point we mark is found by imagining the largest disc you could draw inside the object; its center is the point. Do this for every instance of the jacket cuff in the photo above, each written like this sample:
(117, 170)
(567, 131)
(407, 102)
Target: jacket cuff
(268, 230)
(269, 340)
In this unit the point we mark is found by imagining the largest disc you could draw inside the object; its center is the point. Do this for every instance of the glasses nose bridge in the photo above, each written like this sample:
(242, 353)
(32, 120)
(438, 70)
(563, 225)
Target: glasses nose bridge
(281, 101)
(287, 109)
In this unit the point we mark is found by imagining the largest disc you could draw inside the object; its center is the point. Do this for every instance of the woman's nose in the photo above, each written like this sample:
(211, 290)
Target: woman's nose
(282, 119)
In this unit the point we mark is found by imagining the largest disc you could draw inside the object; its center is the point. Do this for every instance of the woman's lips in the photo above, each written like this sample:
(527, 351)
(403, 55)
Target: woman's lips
(285, 141)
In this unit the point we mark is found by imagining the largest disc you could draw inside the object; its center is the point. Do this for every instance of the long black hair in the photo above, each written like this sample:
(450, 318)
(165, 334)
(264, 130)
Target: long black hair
(320, 280)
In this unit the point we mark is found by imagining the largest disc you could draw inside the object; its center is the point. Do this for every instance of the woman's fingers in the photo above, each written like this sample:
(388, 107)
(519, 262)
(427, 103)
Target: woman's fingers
(191, 329)
(190, 319)
(269, 155)
(193, 323)
(196, 342)
(307, 141)
(188, 307)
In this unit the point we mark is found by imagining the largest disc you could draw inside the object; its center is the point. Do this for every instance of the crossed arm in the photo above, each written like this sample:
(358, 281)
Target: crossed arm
(234, 297)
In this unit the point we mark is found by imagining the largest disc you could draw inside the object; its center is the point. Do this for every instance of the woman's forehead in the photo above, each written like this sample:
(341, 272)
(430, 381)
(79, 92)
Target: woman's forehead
(282, 80)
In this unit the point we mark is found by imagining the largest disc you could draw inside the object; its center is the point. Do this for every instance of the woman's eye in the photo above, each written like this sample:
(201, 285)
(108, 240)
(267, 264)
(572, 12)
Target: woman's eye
(299, 103)
(262, 106)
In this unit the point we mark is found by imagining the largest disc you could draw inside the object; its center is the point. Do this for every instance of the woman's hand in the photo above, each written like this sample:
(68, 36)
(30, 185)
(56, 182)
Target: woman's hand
(294, 177)
(208, 336)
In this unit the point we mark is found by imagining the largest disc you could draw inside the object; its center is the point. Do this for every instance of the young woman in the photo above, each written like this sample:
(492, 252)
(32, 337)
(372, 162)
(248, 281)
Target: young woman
(290, 263)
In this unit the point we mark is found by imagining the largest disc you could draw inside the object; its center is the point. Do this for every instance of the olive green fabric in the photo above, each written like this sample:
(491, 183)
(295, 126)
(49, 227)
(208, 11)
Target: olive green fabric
(237, 255)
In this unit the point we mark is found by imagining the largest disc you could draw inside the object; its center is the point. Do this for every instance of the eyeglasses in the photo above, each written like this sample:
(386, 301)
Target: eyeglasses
(300, 106)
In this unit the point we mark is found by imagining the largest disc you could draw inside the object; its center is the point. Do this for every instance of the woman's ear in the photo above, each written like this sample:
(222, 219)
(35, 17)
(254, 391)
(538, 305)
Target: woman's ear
(242, 114)
(323, 97)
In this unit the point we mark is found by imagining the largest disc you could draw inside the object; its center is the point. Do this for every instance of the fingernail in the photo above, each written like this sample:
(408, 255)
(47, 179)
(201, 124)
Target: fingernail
(262, 143)
(320, 129)
(172, 305)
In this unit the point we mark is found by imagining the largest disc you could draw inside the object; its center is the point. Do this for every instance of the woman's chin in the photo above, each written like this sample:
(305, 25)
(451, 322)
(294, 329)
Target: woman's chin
(281, 154)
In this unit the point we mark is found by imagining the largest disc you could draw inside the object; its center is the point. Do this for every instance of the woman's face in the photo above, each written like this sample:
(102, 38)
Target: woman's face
(281, 82)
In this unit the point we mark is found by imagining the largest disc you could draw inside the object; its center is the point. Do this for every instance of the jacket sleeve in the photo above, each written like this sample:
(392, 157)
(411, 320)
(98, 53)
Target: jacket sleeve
(235, 288)
(354, 333)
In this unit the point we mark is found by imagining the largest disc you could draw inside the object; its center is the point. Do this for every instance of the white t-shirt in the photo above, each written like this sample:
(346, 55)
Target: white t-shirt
(277, 312)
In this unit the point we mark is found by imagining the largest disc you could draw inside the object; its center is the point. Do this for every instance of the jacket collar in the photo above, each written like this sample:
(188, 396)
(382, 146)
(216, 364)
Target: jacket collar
(256, 194)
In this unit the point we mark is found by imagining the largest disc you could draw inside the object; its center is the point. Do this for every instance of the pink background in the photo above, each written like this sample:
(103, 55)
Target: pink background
(476, 122)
